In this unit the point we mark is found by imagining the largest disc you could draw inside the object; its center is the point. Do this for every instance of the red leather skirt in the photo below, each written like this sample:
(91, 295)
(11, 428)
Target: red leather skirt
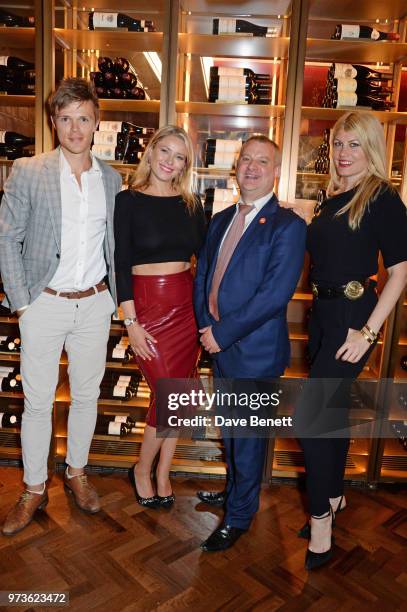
(164, 308)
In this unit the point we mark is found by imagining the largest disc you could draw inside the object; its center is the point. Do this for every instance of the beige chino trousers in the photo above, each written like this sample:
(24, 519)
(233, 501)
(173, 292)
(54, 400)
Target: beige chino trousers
(49, 324)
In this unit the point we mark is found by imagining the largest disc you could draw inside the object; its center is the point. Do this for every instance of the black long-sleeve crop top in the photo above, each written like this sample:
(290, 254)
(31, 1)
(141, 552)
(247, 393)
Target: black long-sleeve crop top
(152, 229)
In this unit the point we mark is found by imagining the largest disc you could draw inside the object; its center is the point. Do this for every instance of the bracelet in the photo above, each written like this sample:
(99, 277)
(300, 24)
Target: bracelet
(367, 336)
(371, 332)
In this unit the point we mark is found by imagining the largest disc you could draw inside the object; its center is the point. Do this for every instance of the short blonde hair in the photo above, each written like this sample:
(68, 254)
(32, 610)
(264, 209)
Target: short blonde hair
(370, 135)
(184, 182)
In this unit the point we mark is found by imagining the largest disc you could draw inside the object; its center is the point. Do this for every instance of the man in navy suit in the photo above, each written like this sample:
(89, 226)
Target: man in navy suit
(242, 316)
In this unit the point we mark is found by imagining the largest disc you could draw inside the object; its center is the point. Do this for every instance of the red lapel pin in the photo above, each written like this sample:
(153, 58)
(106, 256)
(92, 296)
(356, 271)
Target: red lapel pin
(262, 220)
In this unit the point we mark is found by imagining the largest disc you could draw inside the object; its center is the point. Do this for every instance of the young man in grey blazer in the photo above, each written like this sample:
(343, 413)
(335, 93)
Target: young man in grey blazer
(56, 252)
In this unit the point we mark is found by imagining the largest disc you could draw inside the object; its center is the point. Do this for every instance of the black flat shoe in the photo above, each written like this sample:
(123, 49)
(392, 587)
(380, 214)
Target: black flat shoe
(213, 498)
(167, 501)
(146, 502)
(305, 531)
(222, 538)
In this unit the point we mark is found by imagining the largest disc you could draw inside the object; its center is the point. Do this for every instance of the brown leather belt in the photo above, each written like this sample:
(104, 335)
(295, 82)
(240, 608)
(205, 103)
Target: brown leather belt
(77, 295)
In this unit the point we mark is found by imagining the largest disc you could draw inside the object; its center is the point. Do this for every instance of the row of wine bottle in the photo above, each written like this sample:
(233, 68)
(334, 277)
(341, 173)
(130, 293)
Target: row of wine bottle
(221, 153)
(17, 76)
(115, 80)
(120, 141)
(239, 86)
(322, 160)
(354, 85)
(12, 145)
(99, 19)
(119, 386)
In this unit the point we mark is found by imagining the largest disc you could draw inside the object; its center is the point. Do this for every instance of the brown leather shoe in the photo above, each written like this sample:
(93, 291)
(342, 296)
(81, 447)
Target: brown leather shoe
(85, 495)
(23, 512)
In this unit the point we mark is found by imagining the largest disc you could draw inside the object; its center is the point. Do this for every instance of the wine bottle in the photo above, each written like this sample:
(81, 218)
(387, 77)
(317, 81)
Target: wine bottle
(403, 362)
(97, 78)
(105, 419)
(10, 20)
(119, 350)
(137, 93)
(128, 80)
(362, 31)
(11, 153)
(15, 139)
(10, 384)
(118, 20)
(119, 93)
(105, 64)
(10, 344)
(233, 26)
(132, 156)
(116, 139)
(356, 71)
(352, 99)
(103, 92)
(116, 392)
(9, 419)
(221, 152)
(108, 152)
(124, 127)
(120, 65)
(21, 89)
(110, 79)
(218, 71)
(111, 429)
(15, 62)
(358, 86)
(217, 199)
(400, 429)
(16, 75)
(124, 381)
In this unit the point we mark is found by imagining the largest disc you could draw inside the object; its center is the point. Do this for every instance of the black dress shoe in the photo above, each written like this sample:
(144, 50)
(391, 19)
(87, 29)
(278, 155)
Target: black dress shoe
(314, 560)
(167, 501)
(146, 502)
(213, 498)
(222, 538)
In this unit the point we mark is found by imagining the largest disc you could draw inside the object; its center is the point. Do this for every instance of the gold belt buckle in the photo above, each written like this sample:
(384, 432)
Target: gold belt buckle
(354, 290)
(314, 289)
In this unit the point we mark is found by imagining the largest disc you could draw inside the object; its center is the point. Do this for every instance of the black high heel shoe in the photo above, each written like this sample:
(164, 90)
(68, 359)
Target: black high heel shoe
(166, 501)
(314, 560)
(146, 502)
(305, 531)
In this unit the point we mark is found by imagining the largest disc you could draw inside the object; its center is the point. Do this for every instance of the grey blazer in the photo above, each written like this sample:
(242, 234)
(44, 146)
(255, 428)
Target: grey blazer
(30, 227)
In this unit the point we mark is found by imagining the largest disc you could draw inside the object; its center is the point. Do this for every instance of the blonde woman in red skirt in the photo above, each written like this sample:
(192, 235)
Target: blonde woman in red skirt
(159, 225)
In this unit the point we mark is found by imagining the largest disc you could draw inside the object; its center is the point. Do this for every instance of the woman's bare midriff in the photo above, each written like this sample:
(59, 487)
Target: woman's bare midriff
(166, 267)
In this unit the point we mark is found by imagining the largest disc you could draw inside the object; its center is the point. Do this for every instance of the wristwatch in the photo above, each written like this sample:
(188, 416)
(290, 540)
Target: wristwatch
(128, 322)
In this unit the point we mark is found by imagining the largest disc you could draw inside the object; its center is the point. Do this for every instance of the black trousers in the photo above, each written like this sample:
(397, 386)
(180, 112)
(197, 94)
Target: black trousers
(322, 414)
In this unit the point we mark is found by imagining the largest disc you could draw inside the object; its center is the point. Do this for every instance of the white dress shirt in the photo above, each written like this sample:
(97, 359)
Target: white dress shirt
(258, 205)
(82, 264)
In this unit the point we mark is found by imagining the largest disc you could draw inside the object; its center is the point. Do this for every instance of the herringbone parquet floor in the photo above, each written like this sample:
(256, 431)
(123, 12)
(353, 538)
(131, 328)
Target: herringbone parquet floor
(129, 559)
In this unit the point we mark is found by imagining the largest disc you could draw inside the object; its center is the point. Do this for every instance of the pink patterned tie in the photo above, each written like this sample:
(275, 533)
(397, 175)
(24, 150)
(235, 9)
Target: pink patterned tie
(229, 244)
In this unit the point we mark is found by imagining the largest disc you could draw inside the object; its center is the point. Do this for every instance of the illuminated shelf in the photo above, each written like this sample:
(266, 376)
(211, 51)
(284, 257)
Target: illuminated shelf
(141, 401)
(14, 357)
(367, 10)
(131, 106)
(356, 51)
(403, 340)
(9, 100)
(231, 45)
(109, 40)
(241, 110)
(18, 38)
(332, 114)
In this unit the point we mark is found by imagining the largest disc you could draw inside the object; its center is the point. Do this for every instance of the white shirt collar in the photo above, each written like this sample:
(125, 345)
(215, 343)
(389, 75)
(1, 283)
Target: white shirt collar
(258, 204)
(66, 169)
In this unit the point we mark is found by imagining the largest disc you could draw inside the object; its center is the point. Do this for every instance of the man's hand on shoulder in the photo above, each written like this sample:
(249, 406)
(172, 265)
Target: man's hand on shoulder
(208, 341)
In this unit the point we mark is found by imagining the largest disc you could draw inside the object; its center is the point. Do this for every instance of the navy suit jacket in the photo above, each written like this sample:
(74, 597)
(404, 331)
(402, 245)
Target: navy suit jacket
(257, 285)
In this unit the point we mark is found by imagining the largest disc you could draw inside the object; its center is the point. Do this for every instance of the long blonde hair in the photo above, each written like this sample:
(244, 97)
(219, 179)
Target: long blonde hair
(370, 135)
(184, 181)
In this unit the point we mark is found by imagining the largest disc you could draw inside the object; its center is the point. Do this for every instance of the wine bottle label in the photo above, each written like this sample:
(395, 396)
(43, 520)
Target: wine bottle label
(105, 20)
(3, 60)
(227, 26)
(124, 378)
(2, 136)
(228, 146)
(350, 31)
(120, 418)
(1, 419)
(105, 138)
(13, 382)
(375, 34)
(114, 429)
(121, 383)
(225, 71)
(110, 126)
(345, 71)
(224, 159)
(345, 84)
(119, 352)
(346, 98)
(119, 391)
(104, 151)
